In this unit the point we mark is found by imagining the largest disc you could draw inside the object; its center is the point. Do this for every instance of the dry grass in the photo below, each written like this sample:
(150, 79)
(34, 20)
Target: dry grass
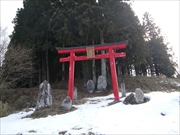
(59, 92)
(148, 84)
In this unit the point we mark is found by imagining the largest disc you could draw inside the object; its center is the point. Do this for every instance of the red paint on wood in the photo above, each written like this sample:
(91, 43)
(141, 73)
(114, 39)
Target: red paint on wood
(71, 76)
(110, 54)
(113, 74)
(98, 56)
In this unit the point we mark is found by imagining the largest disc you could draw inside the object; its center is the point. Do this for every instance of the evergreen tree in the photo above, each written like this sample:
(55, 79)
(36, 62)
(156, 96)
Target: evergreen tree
(44, 25)
(126, 26)
(158, 56)
(32, 29)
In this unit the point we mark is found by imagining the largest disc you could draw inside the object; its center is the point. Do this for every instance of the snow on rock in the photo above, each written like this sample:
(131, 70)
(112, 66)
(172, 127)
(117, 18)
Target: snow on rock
(97, 117)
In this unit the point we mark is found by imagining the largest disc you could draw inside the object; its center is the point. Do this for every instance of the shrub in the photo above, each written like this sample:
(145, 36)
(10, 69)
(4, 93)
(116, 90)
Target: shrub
(20, 103)
(3, 93)
(4, 109)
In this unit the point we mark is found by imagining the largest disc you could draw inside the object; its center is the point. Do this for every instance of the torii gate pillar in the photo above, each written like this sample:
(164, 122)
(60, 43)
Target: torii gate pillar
(113, 75)
(71, 76)
(91, 55)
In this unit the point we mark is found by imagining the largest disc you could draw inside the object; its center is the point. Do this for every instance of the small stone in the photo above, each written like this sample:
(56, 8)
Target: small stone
(163, 114)
(91, 133)
(130, 99)
(101, 83)
(62, 132)
(67, 104)
(146, 99)
(90, 86)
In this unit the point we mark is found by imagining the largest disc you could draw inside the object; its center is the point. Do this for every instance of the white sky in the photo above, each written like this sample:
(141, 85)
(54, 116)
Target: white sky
(165, 14)
(8, 12)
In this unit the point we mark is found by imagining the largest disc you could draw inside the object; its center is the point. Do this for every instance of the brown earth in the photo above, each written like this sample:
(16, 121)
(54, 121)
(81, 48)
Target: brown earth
(24, 98)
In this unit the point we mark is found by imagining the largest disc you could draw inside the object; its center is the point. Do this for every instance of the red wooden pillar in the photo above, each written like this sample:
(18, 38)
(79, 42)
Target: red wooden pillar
(71, 76)
(111, 55)
(113, 74)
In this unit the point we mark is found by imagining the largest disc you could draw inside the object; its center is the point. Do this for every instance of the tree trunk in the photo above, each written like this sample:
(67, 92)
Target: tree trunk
(47, 65)
(86, 73)
(103, 61)
(40, 72)
(43, 69)
(128, 70)
(63, 69)
(93, 69)
(118, 69)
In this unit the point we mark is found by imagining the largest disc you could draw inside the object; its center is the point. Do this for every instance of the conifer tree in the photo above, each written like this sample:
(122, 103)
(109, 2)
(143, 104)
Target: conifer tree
(32, 29)
(44, 25)
(158, 56)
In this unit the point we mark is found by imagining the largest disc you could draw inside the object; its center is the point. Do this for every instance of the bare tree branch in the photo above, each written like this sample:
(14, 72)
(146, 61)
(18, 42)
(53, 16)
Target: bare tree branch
(18, 68)
(3, 43)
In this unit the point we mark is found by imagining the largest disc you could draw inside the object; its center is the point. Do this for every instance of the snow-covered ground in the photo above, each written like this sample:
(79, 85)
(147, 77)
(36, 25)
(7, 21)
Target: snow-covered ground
(158, 116)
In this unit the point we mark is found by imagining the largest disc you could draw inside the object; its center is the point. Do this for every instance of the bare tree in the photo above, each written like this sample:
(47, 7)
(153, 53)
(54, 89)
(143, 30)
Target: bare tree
(3, 43)
(17, 68)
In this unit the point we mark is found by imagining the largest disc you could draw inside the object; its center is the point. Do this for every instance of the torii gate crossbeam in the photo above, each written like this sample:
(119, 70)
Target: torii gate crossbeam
(90, 50)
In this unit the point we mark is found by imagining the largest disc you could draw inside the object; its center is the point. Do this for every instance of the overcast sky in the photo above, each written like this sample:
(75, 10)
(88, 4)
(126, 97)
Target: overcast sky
(165, 15)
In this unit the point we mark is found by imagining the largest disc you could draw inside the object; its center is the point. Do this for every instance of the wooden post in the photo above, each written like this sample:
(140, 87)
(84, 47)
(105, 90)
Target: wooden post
(113, 74)
(90, 50)
(71, 76)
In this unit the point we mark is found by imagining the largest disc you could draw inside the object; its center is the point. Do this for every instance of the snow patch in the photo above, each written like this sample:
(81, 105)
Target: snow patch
(158, 116)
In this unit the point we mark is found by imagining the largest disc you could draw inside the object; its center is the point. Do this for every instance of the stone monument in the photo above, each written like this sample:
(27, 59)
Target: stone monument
(123, 90)
(101, 83)
(44, 97)
(90, 86)
(67, 104)
(139, 96)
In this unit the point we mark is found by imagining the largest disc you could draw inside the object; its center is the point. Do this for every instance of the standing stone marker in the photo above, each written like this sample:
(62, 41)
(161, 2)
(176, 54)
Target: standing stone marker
(67, 104)
(75, 93)
(101, 83)
(123, 90)
(90, 86)
(44, 97)
(139, 96)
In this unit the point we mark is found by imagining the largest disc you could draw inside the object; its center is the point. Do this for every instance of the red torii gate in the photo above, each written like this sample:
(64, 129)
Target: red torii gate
(90, 50)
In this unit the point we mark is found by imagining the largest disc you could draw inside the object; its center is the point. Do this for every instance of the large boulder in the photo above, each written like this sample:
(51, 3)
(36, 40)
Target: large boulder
(101, 83)
(67, 104)
(90, 86)
(139, 96)
(44, 97)
(136, 98)
(130, 99)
